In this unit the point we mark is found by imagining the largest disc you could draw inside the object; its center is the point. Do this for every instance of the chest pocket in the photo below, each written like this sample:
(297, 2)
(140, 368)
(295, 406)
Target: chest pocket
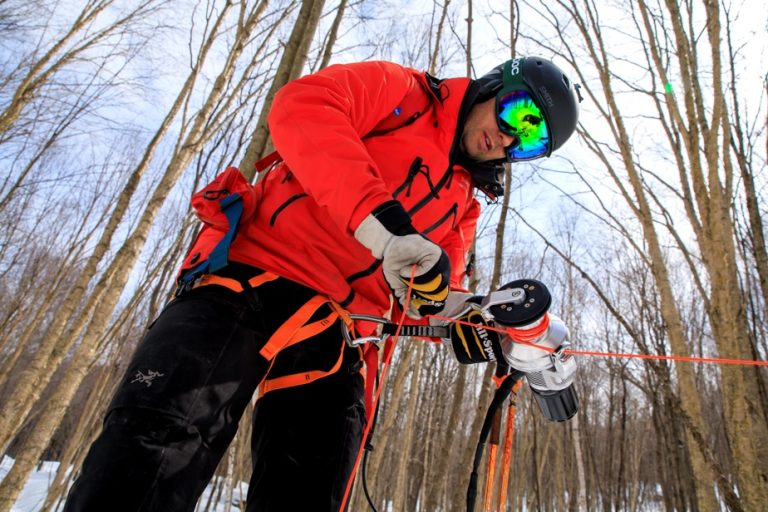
(413, 105)
(450, 215)
(430, 203)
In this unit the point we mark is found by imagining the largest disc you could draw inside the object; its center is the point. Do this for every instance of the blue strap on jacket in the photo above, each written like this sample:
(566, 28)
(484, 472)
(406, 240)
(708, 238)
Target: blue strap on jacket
(232, 206)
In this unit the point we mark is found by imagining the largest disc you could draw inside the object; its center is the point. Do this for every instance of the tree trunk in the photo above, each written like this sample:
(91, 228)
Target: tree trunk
(383, 442)
(42, 70)
(438, 36)
(333, 34)
(450, 451)
(112, 282)
(486, 393)
(56, 342)
(715, 237)
(291, 64)
(581, 502)
(638, 201)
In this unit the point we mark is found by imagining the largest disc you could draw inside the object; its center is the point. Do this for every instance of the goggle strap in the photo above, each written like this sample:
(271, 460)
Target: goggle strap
(509, 79)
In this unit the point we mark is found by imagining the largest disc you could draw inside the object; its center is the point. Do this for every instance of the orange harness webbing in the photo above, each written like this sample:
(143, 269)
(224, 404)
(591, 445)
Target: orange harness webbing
(232, 284)
(295, 330)
(506, 458)
(297, 379)
(506, 453)
(491, 472)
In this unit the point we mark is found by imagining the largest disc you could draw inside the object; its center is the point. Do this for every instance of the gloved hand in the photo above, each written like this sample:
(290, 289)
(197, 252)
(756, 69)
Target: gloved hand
(470, 339)
(388, 233)
(456, 305)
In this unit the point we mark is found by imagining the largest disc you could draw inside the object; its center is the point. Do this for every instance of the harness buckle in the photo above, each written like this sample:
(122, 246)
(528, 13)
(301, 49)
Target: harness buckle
(186, 284)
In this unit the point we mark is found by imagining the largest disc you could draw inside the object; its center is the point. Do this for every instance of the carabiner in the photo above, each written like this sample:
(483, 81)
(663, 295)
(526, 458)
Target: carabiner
(354, 342)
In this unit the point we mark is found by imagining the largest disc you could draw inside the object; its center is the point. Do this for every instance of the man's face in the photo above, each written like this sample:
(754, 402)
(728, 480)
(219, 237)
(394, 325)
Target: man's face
(481, 139)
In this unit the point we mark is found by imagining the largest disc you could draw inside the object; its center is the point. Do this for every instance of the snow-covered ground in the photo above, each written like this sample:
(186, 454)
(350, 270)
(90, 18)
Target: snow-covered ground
(33, 495)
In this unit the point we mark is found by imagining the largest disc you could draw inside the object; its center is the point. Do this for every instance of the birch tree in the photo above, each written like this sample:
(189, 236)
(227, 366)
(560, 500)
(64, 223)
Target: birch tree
(102, 303)
(696, 131)
(83, 35)
(291, 65)
(52, 350)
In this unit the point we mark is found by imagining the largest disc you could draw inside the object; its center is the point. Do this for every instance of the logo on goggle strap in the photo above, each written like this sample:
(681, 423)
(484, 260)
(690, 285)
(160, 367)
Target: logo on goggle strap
(514, 68)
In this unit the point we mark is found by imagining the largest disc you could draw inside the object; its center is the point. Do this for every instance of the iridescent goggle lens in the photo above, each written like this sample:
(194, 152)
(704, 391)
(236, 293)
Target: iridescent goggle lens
(518, 115)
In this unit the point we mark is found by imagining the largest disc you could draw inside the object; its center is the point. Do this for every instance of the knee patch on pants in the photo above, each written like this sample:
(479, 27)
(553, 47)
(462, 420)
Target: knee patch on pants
(149, 425)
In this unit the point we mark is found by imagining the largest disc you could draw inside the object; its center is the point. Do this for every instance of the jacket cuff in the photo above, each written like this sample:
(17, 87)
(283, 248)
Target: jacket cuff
(364, 208)
(394, 218)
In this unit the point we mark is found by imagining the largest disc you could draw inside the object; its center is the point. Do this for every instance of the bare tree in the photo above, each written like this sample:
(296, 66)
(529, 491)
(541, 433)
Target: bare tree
(291, 64)
(78, 39)
(102, 303)
(698, 142)
(52, 350)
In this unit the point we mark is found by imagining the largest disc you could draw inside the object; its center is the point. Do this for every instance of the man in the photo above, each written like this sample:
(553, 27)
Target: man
(376, 185)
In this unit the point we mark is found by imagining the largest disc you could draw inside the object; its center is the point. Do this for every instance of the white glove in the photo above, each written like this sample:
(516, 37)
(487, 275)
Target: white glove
(387, 232)
(456, 305)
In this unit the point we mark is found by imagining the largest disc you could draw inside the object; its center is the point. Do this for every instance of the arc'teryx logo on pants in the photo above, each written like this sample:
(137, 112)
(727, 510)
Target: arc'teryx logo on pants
(146, 379)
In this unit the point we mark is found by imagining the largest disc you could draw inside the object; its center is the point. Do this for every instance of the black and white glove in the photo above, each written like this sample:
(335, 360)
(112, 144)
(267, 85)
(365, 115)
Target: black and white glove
(388, 233)
(471, 340)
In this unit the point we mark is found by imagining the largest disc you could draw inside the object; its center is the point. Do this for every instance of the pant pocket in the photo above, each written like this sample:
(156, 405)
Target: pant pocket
(197, 358)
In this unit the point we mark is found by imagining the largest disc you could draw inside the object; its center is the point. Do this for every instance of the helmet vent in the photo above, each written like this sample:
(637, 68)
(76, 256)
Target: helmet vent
(566, 81)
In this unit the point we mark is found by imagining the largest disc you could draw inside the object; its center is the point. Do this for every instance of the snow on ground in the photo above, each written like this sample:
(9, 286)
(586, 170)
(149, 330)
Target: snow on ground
(33, 495)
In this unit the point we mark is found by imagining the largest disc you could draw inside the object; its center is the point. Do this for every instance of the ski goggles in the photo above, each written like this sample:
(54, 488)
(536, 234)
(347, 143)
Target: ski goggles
(518, 115)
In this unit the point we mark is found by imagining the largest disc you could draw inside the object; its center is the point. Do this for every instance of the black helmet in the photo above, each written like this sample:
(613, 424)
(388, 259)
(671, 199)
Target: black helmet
(555, 96)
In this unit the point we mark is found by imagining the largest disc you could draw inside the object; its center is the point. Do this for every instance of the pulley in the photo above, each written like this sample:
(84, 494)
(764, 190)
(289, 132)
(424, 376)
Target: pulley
(519, 303)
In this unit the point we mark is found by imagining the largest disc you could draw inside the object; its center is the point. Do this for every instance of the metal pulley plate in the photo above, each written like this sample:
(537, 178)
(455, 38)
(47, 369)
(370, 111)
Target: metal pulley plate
(531, 307)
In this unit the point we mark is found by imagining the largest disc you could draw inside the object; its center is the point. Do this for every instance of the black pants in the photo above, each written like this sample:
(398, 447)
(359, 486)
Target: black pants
(177, 410)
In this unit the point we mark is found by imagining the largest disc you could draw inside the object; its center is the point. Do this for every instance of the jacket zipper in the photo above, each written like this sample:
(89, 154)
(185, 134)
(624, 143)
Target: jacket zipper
(452, 212)
(433, 192)
(413, 170)
(283, 206)
(432, 195)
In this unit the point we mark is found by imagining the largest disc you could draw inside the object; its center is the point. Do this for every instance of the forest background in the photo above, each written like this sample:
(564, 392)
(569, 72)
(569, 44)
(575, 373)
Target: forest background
(648, 228)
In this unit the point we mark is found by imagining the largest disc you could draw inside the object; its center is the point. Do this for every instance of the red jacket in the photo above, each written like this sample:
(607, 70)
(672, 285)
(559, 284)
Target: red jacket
(342, 159)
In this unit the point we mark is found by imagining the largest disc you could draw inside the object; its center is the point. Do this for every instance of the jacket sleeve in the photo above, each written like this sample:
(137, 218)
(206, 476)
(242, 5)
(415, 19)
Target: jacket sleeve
(458, 243)
(317, 123)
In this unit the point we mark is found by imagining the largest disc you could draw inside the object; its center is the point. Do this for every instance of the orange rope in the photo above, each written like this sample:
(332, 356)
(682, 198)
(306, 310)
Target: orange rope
(525, 337)
(387, 356)
(490, 476)
(715, 360)
(509, 331)
(506, 457)
(690, 359)
(531, 334)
